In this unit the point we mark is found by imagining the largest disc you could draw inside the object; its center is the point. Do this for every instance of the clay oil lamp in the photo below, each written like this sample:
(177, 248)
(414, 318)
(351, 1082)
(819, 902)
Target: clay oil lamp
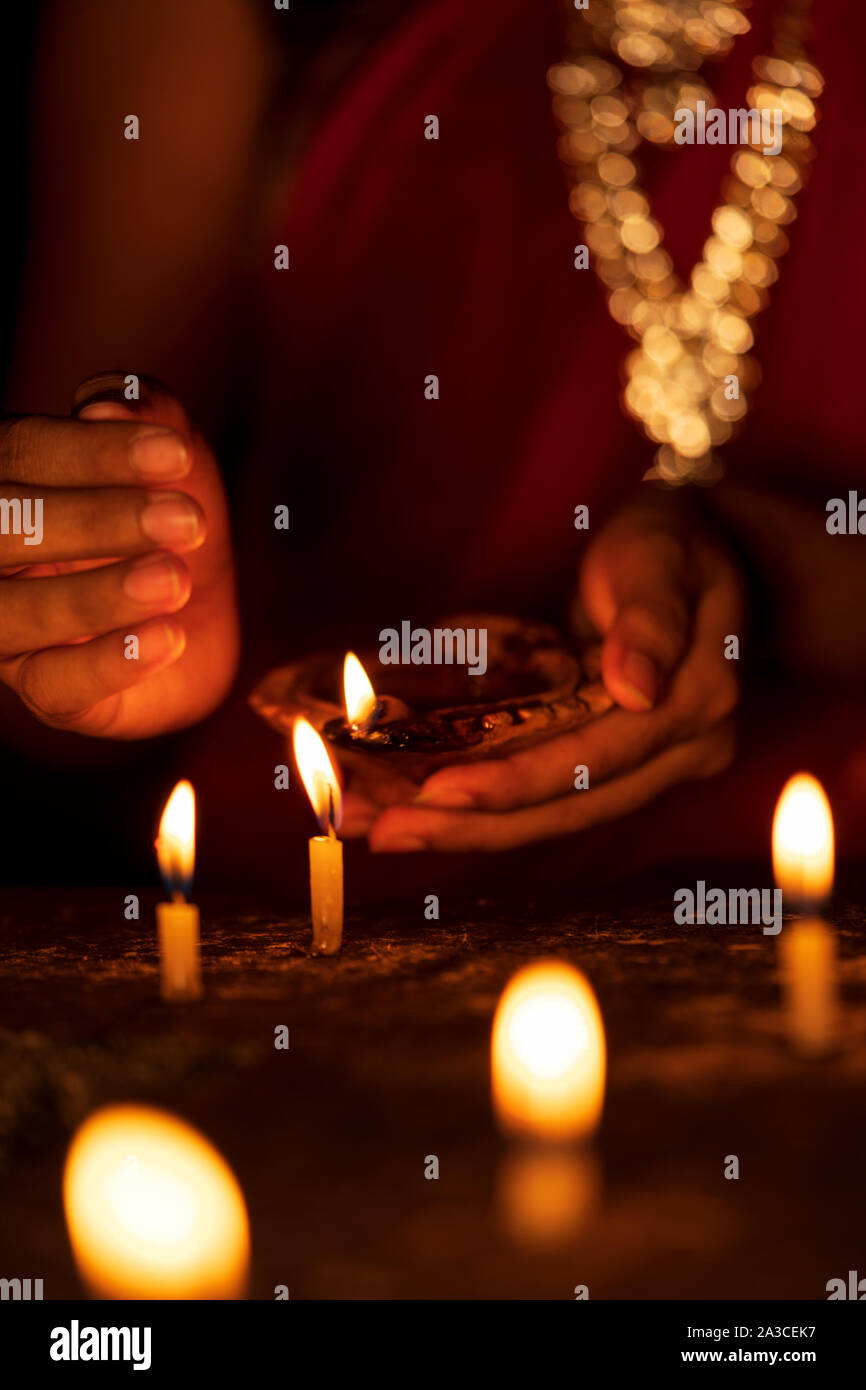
(399, 723)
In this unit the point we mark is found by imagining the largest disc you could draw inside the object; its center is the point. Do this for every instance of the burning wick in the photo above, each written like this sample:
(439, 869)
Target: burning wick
(803, 861)
(326, 851)
(178, 921)
(362, 707)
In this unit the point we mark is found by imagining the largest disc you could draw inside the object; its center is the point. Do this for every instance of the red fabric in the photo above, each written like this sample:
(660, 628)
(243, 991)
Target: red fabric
(454, 257)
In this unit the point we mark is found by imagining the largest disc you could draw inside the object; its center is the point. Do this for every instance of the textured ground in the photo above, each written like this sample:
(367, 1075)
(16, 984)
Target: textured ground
(389, 1063)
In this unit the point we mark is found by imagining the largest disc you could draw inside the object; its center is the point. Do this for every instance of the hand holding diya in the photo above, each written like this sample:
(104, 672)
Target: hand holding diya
(430, 716)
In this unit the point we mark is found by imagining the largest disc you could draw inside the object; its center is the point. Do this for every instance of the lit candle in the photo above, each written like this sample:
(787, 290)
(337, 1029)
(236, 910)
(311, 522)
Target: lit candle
(177, 921)
(803, 844)
(803, 861)
(548, 1054)
(548, 1063)
(153, 1210)
(362, 707)
(326, 851)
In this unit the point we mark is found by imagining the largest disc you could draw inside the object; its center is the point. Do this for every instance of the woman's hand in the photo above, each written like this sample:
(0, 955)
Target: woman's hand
(135, 543)
(664, 596)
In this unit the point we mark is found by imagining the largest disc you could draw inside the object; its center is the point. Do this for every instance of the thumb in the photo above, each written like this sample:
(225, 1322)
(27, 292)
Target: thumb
(126, 396)
(638, 591)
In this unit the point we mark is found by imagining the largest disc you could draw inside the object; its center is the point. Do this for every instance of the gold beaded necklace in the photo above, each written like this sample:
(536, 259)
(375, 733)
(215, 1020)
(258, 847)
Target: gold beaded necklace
(690, 377)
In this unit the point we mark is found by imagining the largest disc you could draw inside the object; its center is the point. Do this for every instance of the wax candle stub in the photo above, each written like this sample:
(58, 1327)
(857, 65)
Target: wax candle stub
(179, 956)
(326, 894)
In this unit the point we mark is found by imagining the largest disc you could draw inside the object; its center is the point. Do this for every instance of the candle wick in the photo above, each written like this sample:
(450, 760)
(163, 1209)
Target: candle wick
(331, 831)
(177, 896)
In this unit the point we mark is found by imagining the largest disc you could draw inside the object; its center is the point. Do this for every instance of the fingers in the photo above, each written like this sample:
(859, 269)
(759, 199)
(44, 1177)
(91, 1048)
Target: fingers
(702, 690)
(639, 586)
(708, 684)
(643, 647)
(64, 609)
(107, 397)
(358, 816)
(39, 451)
(77, 687)
(606, 746)
(404, 829)
(95, 522)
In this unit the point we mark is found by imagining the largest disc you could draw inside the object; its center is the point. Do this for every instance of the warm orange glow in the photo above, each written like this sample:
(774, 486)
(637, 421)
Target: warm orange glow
(809, 975)
(359, 693)
(803, 848)
(548, 1054)
(153, 1210)
(317, 773)
(175, 845)
(547, 1196)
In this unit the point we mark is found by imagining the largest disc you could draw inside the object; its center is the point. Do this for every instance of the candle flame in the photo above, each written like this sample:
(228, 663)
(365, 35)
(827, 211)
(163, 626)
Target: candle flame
(359, 694)
(317, 774)
(153, 1210)
(548, 1054)
(803, 843)
(175, 844)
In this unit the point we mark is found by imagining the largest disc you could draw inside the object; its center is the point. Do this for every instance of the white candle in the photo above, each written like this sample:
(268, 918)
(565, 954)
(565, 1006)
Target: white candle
(326, 851)
(178, 921)
(326, 893)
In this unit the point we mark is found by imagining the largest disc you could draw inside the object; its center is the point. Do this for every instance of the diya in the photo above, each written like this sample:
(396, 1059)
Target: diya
(429, 716)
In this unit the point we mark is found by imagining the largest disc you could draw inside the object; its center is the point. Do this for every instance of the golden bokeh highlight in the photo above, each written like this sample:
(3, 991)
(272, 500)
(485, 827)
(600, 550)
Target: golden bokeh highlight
(548, 1055)
(804, 843)
(604, 119)
(153, 1210)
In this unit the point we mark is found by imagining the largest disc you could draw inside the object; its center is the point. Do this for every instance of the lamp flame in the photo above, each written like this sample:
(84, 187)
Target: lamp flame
(175, 844)
(548, 1055)
(318, 775)
(153, 1210)
(361, 703)
(803, 842)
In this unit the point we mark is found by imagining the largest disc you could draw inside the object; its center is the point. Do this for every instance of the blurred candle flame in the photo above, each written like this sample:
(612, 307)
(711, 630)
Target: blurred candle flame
(360, 696)
(175, 844)
(318, 775)
(153, 1210)
(548, 1055)
(803, 842)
